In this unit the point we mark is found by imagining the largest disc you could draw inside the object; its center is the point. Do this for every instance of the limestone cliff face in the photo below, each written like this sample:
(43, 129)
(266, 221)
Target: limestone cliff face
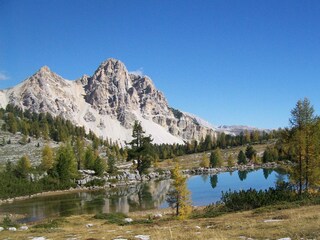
(107, 102)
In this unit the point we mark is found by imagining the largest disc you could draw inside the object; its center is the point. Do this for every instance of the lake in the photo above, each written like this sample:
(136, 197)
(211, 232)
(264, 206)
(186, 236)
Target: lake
(205, 189)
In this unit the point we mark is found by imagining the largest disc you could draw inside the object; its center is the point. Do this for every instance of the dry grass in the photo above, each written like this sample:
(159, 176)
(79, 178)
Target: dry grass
(296, 223)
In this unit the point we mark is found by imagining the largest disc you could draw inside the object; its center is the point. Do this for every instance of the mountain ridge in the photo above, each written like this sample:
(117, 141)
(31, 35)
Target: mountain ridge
(107, 103)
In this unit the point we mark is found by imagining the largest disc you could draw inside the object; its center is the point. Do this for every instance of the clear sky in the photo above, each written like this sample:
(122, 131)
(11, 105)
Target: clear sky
(227, 61)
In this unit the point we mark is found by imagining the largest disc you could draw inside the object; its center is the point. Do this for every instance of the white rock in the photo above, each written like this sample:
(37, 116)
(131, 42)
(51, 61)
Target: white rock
(24, 228)
(273, 220)
(198, 227)
(142, 237)
(157, 215)
(38, 238)
(128, 220)
(13, 229)
(286, 238)
(89, 225)
(1, 229)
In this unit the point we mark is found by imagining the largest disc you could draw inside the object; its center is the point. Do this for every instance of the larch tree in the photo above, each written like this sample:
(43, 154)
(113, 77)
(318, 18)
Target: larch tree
(205, 162)
(47, 158)
(179, 196)
(302, 122)
(23, 167)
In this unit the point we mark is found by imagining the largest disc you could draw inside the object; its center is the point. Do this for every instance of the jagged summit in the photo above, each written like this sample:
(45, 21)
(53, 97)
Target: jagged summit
(108, 103)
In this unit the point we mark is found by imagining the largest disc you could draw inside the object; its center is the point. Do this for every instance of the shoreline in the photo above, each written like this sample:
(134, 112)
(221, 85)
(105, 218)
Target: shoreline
(188, 172)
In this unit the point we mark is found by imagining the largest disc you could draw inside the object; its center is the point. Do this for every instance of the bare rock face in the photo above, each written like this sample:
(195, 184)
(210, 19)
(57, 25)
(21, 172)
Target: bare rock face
(109, 100)
(42, 93)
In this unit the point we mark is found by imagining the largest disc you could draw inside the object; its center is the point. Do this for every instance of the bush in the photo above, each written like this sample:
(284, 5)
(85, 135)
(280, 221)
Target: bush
(96, 182)
(117, 218)
(7, 222)
(251, 199)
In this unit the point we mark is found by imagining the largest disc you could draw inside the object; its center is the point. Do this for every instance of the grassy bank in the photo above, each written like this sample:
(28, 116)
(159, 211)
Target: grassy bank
(263, 223)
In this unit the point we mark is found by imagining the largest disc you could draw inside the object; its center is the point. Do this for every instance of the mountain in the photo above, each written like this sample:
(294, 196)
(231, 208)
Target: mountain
(107, 103)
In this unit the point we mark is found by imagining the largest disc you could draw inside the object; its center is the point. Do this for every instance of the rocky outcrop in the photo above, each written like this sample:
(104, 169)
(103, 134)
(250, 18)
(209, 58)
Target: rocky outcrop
(108, 103)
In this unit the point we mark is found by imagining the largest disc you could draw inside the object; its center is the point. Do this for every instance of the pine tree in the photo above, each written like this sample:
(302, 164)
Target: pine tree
(99, 166)
(78, 151)
(179, 196)
(250, 152)
(89, 158)
(216, 159)
(111, 164)
(66, 166)
(242, 158)
(141, 148)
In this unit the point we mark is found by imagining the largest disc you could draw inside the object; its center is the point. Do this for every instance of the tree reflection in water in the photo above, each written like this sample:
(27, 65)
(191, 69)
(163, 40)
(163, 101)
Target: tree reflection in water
(213, 181)
(242, 175)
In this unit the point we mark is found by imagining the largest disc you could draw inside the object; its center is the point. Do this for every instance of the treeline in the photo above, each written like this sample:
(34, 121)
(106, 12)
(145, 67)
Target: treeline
(209, 143)
(44, 125)
(58, 169)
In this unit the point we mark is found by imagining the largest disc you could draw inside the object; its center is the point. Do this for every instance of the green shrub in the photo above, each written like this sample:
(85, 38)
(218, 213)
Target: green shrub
(251, 199)
(96, 182)
(7, 222)
(117, 218)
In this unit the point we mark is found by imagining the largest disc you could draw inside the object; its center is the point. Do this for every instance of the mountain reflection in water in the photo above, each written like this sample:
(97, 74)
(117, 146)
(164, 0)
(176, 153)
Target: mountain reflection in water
(205, 189)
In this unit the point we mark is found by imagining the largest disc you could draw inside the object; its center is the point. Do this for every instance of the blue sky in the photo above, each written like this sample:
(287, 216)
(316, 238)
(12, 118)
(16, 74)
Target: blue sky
(229, 61)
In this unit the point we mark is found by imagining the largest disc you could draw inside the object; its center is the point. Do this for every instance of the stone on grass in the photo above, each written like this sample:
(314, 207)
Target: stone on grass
(286, 238)
(157, 216)
(38, 238)
(142, 237)
(13, 229)
(24, 228)
(128, 220)
(89, 225)
(1, 229)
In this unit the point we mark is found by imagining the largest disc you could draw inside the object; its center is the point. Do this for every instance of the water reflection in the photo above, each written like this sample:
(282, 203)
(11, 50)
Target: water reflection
(205, 189)
(267, 172)
(125, 199)
(242, 175)
(213, 181)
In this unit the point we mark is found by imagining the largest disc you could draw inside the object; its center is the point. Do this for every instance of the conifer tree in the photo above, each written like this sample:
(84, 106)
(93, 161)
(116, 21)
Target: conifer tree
(23, 167)
(66, 166)
(230, 161)
(141, 148)
(205, 163)
(179, 196)
(89, 158)
(242, 158)
(216, 159)
(47, 158)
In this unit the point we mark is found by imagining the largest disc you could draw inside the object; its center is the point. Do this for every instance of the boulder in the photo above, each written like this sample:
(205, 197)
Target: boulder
(157, 216)
(89, 225)
(142, 237)
(128, 220)
(13, 229)
(24, 228)
(1, 229)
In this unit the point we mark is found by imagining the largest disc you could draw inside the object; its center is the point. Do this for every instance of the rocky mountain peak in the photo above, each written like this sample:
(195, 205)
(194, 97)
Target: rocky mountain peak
(107, 102)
